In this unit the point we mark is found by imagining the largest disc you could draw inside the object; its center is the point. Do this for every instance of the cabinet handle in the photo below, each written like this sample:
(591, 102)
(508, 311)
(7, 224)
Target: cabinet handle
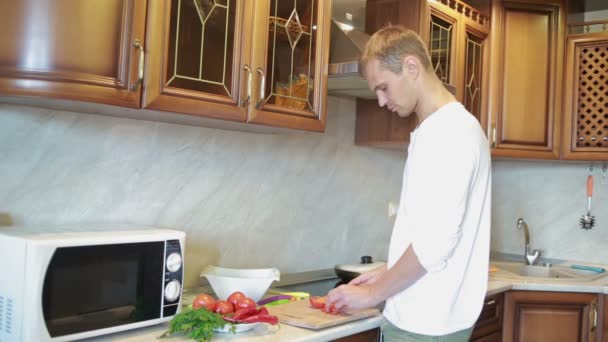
(493, 136)
(258, 105)
(594, 307)
(245, 102)
(140, 69)
(490, 302)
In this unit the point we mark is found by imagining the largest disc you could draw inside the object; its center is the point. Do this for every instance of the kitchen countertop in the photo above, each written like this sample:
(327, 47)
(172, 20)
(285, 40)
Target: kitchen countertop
(263, 332)
(597, 285)
(499, 282)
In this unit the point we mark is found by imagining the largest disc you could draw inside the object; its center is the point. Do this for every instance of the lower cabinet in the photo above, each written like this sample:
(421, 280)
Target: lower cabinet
(372, 335)
(489, 324)
(552, 316)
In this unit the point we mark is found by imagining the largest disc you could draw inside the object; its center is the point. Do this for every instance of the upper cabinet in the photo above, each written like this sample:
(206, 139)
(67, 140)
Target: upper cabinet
(586, 93)
(71, 49)
(527, 76)
(290, 50)
(549, 95)
(198, 58)
(262, 61)
(459, 49)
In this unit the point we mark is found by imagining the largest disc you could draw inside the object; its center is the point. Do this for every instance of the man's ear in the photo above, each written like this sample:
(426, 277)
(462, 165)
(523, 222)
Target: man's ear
(411, 66)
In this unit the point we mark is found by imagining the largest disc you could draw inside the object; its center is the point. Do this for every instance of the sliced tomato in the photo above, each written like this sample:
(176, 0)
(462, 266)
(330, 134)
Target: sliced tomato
(317, 302)
(332, 309)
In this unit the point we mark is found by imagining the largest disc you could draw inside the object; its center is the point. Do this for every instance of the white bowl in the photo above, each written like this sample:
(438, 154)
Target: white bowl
(253, 282)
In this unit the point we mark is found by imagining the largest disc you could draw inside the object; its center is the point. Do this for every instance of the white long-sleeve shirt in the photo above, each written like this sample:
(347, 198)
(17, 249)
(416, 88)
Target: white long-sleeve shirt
(444, 213)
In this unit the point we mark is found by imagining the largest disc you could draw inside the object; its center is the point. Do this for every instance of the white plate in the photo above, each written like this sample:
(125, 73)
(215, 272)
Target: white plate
(240, 327)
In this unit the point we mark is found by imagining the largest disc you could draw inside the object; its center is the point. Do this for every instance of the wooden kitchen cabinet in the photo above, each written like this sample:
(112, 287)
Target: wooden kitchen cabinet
(457, 36)
(262, 61)
(552, 316)
(526, 78)
(488, 327)
(71, 49)
(459, 49)
(586, 97)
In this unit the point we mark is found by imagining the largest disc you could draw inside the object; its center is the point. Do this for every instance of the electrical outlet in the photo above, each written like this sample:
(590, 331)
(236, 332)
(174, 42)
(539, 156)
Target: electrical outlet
(6, 219)
(392, 208)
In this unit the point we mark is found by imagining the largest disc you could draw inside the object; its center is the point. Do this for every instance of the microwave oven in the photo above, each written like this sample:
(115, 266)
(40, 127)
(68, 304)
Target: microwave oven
(72, 284)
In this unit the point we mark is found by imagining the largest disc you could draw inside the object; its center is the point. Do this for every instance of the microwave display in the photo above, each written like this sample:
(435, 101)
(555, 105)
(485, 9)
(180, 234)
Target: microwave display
(95, 287)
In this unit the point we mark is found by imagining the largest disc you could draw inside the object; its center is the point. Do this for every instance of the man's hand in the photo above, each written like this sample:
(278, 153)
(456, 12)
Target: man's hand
(373, 287)
(368, 277)
(349, 296)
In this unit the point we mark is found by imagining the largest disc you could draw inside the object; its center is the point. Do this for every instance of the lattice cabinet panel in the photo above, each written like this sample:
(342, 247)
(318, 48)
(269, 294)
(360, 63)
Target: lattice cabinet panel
(586, 97)
(592, 110)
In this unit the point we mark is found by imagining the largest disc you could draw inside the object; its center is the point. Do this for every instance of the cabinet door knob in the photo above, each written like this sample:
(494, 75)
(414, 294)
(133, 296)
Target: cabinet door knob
(245, 102)
(259, 104)
(140, 68)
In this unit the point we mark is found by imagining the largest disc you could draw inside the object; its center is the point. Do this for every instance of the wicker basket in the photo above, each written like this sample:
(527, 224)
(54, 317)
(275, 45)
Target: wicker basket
(299, 89)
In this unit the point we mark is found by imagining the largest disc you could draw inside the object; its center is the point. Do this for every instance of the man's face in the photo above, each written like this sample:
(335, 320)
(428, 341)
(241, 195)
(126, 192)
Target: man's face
(396, 92)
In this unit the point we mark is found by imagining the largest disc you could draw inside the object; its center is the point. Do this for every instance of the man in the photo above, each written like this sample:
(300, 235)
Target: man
(436, 275)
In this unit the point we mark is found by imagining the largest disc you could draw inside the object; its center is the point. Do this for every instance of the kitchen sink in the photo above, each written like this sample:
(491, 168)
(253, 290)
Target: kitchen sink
(540, 272)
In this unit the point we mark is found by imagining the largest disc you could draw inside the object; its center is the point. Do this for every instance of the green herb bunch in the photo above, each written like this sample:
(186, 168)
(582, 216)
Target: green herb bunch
(197, 324)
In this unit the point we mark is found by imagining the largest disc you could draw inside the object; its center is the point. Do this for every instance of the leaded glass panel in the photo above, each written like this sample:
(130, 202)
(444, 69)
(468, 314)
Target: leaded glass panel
(292, 36)
(201, 44)
(440, 46)
(473, 72)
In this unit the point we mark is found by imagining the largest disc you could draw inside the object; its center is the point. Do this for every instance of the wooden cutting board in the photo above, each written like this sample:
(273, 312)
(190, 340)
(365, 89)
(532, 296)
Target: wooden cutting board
(301, 314)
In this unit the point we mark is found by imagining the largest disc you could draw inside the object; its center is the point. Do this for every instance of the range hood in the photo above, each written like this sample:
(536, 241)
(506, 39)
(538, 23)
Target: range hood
(346, 45)
(347, 42)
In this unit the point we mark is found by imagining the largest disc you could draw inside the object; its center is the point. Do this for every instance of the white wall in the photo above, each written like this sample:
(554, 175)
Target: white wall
(551, 197)
(295, 201)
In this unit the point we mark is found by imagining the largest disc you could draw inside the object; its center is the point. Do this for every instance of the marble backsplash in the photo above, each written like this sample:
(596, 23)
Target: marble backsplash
(551, 197)
(297, 201)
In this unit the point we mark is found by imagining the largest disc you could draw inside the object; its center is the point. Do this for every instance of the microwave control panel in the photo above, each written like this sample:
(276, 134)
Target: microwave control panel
(174, 272)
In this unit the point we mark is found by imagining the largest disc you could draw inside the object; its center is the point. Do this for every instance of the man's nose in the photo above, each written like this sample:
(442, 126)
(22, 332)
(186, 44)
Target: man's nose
(381, 99)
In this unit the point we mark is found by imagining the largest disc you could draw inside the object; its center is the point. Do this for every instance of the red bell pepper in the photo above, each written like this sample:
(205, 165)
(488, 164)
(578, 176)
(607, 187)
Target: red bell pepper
(263, 318)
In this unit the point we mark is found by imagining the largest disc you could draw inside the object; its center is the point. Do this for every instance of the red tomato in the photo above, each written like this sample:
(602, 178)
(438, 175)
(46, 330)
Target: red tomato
(332, 309)
(245, 303)
(235, 297)
(317, 302)
(204, 301)
(223, 307)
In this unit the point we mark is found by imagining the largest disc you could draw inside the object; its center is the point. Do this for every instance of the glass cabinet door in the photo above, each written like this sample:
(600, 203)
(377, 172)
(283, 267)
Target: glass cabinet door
(441, 47)
(201, 45)
(290, 56)
(473, 73)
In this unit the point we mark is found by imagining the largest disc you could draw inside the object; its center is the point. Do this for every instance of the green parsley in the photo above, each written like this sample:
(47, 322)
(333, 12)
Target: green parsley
(197, 324)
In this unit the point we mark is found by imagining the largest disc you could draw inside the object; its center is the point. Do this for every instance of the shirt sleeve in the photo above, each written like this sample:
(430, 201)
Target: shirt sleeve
(442, 172)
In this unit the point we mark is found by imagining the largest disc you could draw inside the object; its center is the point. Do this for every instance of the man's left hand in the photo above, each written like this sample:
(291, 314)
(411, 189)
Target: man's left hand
(346, 297)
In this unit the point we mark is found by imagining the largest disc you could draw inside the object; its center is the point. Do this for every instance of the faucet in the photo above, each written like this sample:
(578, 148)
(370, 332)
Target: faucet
(530, 258)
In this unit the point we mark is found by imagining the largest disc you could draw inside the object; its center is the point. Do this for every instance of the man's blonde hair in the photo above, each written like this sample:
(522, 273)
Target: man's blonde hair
(390, 45)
